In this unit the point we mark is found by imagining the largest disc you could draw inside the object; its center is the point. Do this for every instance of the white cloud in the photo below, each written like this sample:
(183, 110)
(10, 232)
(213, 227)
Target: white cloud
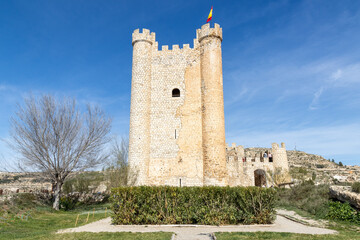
(315, 102)
(337, 75)
(346, 76)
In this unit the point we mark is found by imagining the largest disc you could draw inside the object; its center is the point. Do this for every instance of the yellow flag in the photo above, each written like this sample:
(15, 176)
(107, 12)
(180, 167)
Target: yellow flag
(210, 15)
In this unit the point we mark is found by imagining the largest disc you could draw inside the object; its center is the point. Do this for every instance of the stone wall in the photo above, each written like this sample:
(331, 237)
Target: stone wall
(242, 163)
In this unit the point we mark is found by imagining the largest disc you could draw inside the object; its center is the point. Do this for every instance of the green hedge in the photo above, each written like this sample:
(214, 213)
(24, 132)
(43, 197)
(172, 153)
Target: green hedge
(193, 205)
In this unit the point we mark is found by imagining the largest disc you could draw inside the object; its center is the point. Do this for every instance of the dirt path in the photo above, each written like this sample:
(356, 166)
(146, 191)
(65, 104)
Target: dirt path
(201, 232)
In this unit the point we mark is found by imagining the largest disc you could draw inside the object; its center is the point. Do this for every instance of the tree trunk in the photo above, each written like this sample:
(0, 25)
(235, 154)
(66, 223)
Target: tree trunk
(56, 204)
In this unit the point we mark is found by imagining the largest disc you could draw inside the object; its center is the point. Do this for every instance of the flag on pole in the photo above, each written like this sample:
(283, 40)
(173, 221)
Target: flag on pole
(210, 15)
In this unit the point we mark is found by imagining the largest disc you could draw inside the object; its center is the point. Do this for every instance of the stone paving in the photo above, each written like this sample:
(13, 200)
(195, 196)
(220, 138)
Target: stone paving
(201, 232)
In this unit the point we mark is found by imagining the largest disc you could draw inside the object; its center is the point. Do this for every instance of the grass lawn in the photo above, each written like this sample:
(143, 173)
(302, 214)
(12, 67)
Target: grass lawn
(43, 222)
(345, 231)
(271, 235)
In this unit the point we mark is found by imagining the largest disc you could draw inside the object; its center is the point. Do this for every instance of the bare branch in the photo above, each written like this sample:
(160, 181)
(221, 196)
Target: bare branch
(54, 137)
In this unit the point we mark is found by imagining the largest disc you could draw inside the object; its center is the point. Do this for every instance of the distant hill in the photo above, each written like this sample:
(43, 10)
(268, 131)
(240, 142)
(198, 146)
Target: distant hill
(303, 166)
(308, 166)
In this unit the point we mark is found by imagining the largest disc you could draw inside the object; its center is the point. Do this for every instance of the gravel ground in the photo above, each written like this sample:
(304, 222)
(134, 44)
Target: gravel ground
(201, 232)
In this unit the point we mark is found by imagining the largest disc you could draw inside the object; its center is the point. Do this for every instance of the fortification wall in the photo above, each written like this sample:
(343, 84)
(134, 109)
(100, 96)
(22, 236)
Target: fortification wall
(242, 163)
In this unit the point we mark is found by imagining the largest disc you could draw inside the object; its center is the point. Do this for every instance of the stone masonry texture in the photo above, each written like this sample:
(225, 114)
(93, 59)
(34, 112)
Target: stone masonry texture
(180, 140)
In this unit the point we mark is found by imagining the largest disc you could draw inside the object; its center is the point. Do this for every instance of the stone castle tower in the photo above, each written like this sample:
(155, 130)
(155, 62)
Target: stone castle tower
(177, 127)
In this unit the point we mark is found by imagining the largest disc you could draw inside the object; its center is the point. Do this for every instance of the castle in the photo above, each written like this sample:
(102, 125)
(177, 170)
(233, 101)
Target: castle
(177, 126)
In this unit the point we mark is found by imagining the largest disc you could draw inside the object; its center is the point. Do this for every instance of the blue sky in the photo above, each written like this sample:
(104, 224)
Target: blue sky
(291, 68)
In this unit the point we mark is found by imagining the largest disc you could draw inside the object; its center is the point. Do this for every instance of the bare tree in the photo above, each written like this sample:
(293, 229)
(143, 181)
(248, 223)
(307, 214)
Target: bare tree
(118, 172)
(55, 137)
(278, 176)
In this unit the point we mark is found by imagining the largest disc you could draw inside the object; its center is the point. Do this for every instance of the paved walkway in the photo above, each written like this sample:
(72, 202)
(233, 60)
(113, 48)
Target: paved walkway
(201, 232)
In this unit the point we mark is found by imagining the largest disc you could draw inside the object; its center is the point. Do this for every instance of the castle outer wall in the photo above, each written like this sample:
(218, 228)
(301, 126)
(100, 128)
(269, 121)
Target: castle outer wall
(242, 165)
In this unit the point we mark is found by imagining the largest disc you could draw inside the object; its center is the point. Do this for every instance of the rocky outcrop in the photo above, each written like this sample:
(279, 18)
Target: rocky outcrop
(344, 194)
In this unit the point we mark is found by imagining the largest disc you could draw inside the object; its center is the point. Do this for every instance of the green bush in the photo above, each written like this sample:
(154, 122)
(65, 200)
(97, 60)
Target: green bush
(307, 197)
(343, 211)
(193, 205)
(356, 187)
(313, 176)
(303, 170)
(67, 203)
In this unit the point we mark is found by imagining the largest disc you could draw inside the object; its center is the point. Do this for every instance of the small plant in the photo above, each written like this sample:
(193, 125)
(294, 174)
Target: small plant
(303, 170)
(356, 187)
(313, 177)
(341, 164)
(342, 211)
(67, 203)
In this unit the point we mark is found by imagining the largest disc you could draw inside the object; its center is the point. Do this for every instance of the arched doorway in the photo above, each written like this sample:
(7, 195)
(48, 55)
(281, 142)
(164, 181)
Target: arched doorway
(260, 178)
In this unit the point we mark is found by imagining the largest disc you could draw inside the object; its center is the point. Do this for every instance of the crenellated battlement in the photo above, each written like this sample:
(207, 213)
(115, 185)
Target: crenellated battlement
(145, 35)
(174, 48)
(276, 146)
(207, 31)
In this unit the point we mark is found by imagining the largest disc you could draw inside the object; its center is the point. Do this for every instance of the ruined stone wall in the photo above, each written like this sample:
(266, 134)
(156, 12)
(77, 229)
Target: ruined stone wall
(242, 163)
(235, 165)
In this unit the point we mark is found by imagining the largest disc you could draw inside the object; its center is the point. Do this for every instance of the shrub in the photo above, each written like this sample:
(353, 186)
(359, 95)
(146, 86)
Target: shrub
(303, 170)
(193, 205)
(313, 176)
(343, 211)
(307, 197)
(356, 187)
(67, 203)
